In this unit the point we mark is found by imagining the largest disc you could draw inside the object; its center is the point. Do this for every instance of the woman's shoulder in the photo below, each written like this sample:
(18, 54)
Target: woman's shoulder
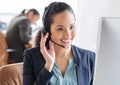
(33, 49)
(33, 53)
(81, 50)
(87, 57)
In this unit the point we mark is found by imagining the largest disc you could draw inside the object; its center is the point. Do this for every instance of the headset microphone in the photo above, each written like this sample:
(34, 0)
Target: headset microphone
(49, 38)
(57, 44)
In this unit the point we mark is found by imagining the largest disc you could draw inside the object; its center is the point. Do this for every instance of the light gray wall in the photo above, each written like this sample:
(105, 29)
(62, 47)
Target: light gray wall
(90, 12)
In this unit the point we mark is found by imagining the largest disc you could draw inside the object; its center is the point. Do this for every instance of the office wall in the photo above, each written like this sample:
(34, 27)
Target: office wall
(16, 6)
(89, 14)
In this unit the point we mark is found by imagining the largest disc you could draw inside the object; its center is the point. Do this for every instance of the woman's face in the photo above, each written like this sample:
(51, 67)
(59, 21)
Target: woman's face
(34, 19)
(63, 28)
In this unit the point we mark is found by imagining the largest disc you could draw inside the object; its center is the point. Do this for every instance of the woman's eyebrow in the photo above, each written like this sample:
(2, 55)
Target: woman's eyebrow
(59, 26)
(63, 26)
(72, 24)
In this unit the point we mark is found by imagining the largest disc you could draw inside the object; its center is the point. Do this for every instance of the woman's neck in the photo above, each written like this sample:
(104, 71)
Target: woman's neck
(63, 52)
(62, 56)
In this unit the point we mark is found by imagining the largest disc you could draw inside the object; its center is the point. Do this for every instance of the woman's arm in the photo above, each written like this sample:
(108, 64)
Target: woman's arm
(28, 70)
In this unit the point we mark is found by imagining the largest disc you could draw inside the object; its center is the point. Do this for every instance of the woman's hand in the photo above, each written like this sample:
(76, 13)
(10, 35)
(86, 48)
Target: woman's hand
(49, 55)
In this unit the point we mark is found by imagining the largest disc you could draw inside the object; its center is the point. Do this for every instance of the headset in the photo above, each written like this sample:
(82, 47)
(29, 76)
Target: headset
(49, 39)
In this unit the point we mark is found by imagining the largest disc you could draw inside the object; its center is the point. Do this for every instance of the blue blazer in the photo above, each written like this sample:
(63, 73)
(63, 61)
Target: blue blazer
(34, 72)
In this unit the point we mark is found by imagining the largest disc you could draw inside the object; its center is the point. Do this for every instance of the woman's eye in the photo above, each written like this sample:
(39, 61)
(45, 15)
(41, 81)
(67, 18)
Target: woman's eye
(72, 27)
(60, 29)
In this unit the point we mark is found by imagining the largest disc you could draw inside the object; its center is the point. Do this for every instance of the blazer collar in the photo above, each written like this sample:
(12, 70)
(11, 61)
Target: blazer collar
(76, 54)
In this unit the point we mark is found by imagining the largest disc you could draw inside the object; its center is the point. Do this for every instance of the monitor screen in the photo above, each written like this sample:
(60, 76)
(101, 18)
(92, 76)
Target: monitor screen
(107, 65)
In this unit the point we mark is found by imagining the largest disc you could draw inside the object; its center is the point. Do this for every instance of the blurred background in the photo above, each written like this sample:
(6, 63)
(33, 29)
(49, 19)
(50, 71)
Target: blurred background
(88, 14)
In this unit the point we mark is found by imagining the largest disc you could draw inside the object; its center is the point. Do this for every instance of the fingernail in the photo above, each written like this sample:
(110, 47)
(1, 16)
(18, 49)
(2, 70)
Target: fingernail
(47, 34)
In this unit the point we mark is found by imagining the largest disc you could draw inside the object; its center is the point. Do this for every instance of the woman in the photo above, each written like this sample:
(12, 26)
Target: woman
(54, 60)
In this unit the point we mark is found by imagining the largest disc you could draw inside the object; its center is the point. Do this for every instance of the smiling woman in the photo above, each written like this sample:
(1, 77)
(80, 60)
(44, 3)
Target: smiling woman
(50, 63)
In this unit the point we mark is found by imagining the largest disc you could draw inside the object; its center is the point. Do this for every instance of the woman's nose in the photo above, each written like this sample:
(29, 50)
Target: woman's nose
(67, 34)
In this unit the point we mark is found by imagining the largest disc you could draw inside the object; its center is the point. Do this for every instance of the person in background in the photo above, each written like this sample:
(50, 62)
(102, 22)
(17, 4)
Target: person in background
(19, 34)
(54, 60)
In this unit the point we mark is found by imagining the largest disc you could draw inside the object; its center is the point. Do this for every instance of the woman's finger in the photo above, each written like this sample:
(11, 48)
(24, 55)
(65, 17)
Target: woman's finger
(43, 40)
(51, 50)
(42, 43)
(51, 45)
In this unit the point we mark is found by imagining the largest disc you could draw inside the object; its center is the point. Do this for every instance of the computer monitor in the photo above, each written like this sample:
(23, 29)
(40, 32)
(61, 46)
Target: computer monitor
(107, 65)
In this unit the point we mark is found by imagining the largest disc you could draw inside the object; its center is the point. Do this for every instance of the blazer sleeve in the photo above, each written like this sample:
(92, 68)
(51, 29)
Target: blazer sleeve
(91, 65)
(29, 75)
